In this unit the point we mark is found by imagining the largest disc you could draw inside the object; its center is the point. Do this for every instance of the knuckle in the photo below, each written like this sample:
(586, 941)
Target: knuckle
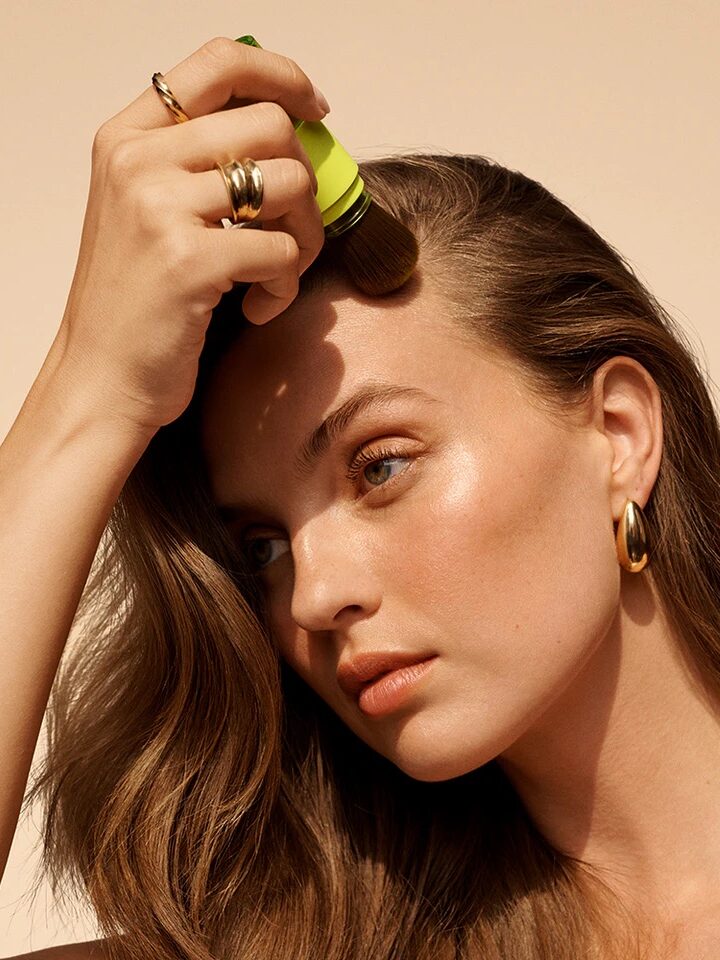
(104, 137)
(273, 115)
(297, 78)
(288, 251)
(299, 181)
(123, 158)
(179, 256)
(152, 203)
(218, 50)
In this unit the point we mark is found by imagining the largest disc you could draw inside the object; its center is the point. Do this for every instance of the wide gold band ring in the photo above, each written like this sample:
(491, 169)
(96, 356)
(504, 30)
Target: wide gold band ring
(244, 183)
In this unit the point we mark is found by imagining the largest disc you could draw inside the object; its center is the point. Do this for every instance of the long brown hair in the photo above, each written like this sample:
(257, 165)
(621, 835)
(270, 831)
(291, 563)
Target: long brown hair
(205, 801)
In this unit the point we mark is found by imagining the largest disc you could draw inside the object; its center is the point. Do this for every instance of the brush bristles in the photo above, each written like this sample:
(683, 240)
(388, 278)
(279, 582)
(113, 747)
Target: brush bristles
(379, 253)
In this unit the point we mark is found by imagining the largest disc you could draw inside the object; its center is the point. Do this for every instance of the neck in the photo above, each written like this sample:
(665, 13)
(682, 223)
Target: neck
(623, 770)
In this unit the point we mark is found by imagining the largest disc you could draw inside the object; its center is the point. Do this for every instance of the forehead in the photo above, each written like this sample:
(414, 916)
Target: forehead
(279, 380)
(321, 332)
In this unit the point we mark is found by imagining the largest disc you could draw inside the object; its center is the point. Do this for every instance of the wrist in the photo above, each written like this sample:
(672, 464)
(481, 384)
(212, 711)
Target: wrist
(72, 406)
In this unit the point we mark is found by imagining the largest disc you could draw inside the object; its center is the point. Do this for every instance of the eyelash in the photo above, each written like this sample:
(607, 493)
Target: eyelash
(360, 460)
(370, 455)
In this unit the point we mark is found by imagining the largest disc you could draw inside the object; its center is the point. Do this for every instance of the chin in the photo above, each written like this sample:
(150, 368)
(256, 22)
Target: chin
(433, 766)
(435, 771)
(435, 748)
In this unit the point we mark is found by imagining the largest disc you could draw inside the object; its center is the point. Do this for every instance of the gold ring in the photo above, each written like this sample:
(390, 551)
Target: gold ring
(244, 183)
(168, 98)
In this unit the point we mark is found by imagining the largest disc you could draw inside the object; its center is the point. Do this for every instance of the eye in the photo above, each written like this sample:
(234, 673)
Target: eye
(378, 458)
(258, 550)
(259, 553)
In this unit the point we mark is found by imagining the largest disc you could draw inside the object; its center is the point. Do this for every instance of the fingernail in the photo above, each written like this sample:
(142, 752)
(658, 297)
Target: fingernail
(321, 99)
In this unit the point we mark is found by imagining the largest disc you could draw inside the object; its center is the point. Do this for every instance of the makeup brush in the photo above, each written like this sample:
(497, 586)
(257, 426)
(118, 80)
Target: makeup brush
(378, 252)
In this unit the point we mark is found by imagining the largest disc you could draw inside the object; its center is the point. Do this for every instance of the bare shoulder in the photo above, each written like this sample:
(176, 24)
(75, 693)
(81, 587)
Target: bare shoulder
(88, 950)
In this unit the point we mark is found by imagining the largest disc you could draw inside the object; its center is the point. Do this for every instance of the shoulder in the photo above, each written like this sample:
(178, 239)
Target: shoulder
(89, 950)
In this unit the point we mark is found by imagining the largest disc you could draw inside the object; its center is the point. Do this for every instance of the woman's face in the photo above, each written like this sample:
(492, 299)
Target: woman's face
(475, 528)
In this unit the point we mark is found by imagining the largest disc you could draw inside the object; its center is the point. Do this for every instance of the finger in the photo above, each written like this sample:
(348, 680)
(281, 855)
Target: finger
(218, 71)
(289, 204)
(258, 130)
(267, 259)
(262, 303)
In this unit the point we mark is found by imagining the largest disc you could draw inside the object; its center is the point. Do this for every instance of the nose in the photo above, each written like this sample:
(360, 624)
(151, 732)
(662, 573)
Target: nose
(335, 577)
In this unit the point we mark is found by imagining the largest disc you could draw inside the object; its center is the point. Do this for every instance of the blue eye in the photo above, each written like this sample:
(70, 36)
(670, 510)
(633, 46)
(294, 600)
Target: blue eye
(258, 550)
(372, 458)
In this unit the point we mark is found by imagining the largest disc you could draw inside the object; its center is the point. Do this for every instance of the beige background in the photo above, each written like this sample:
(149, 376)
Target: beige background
(612, 105)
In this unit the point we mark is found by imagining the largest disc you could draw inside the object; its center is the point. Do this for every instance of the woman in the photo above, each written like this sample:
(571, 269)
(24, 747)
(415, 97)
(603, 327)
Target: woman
(294, 506)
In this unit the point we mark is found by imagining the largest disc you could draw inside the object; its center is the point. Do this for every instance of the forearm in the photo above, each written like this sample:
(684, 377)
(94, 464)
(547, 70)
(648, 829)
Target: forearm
(62, 467)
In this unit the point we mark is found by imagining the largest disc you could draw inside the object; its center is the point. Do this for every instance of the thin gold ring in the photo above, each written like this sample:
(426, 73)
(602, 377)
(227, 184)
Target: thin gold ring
(168, 98)
(243, 178)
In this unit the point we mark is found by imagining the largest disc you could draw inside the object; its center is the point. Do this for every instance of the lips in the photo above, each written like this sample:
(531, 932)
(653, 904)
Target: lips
(354, 674)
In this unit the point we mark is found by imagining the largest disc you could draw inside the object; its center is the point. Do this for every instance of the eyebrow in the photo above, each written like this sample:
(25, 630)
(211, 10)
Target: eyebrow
(369, 394)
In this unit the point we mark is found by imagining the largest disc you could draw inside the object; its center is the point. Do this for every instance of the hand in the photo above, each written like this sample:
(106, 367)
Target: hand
(154, 259)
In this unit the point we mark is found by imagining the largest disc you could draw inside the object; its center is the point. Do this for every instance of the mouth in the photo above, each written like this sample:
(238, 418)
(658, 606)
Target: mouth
(367, 667)
(390, 690)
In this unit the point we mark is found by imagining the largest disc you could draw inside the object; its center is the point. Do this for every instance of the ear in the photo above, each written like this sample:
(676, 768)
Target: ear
(627, 409)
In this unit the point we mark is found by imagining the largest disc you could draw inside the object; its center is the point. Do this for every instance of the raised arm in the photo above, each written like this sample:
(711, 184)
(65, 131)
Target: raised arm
(62, 466)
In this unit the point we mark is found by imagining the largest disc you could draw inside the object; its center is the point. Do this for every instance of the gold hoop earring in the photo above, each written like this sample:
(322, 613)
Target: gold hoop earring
(631, 538)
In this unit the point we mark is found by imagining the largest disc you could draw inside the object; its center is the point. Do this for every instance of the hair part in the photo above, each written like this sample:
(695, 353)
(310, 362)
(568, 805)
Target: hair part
(205, 801)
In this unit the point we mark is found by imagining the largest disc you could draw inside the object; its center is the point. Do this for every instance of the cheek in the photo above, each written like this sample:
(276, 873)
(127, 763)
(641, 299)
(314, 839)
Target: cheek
(511, 541)
(515, 560)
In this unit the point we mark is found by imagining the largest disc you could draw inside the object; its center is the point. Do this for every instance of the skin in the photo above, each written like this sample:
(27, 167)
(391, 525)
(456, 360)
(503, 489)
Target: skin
(491, 545)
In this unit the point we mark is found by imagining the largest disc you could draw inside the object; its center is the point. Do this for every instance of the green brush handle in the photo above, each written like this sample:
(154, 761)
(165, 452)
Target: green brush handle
(341, 193)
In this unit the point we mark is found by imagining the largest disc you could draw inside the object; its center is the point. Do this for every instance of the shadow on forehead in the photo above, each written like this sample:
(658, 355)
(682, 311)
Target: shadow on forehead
(228, 320)
(277, 399)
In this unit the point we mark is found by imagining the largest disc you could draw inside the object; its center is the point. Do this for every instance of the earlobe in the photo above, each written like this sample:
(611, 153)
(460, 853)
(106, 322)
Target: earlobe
(629, 413)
